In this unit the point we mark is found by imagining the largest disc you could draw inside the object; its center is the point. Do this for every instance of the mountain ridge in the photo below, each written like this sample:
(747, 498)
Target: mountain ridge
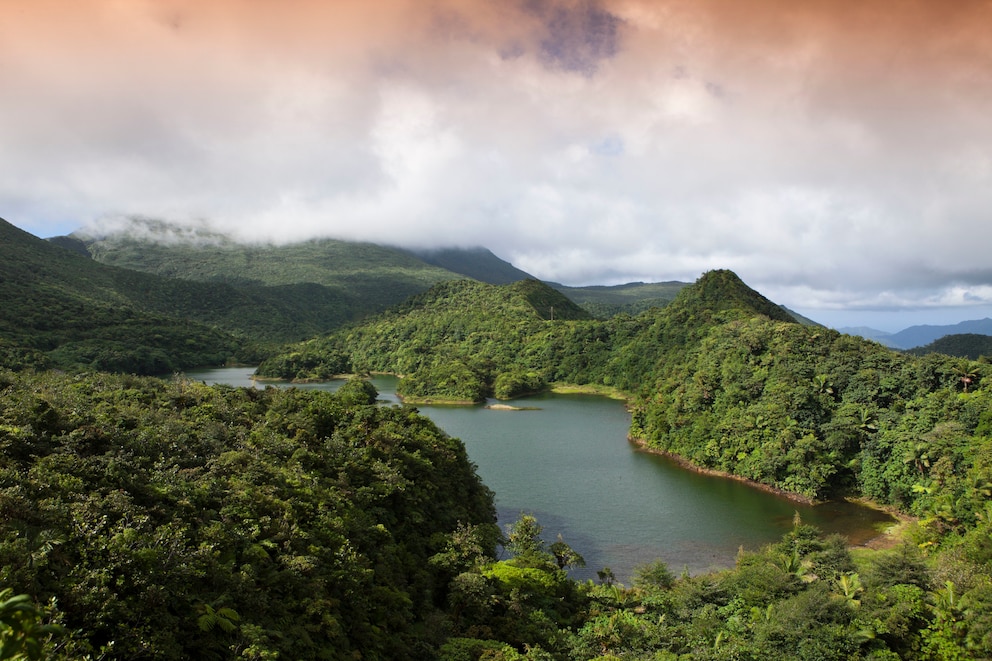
(378, 275)
(921, 334)
(150, 237)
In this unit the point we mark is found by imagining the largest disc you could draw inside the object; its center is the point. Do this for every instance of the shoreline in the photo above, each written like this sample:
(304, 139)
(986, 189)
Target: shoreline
(684, 463)
(885, 539)
(562, 388)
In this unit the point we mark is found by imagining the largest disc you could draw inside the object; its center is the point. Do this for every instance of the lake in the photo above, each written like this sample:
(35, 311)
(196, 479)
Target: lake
(570, 464)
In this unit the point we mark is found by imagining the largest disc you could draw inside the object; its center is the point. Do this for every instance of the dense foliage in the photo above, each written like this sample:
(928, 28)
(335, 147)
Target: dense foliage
(604, 302)
(807, 598)
(451, 342)
(172, 520)
(166, 519)
(963, 345)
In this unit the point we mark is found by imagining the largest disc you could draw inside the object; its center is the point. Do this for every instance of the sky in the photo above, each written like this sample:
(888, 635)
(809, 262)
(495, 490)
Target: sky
(835, 154)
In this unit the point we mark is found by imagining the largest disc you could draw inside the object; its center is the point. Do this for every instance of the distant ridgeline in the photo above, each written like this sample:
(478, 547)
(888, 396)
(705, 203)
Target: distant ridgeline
(920, 337)
(964, 345)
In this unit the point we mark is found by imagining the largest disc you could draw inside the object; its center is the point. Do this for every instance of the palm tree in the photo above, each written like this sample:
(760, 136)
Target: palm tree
(919, 456)
(967, 373)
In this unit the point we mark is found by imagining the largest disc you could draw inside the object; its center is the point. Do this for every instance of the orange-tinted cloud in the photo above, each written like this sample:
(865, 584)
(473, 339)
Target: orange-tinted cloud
(784, 139)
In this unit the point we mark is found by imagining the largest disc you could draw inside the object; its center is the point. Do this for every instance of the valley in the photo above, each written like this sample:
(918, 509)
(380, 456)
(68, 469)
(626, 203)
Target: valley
(373, 529)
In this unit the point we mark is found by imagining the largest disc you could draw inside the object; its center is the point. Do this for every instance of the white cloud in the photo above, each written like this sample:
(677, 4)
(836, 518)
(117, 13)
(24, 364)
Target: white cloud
(812, 152)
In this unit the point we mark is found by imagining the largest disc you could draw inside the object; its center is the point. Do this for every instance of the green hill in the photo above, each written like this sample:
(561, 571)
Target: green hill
(962, 345)
(62, 309)
(78, 312)
(452, 341)
(722, 291)
(604, 301)
(362, 277)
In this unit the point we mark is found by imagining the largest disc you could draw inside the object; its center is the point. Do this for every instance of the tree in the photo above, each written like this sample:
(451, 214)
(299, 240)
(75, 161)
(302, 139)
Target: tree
(565, 555)
(22, 633)
(967, 373)
(523, 540)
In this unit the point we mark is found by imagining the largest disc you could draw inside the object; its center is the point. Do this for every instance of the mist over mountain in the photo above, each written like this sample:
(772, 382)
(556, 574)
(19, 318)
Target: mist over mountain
(375, 275)
(382, 275)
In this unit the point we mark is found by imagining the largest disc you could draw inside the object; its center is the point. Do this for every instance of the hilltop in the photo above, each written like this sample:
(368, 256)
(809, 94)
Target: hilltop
(464, 340)
(471, 327)
(364, 278)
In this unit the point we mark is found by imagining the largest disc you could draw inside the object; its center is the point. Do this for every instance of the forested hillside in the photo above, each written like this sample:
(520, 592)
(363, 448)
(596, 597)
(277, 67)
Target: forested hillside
(362, 277)
(604, 302)
(963, 345)
(61, 309)
(170, 520)
(146, 518)
(459, 341)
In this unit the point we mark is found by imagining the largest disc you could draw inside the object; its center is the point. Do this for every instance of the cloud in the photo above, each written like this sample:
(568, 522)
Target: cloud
(835, 153)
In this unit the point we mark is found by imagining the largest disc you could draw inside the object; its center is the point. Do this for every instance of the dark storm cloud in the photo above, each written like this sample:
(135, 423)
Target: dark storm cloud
(577, 35)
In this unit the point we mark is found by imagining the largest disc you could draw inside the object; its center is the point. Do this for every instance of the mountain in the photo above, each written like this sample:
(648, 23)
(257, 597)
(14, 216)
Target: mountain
(364, 277)
(882, 337)
(723, 291)
(61, 308)
(476, 263)
(962, 345)
(916, 336)
(77, 311)
(605, 301)
(371, 277)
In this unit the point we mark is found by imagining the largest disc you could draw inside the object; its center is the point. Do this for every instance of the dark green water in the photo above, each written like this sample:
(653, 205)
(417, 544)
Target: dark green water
(570, 464)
